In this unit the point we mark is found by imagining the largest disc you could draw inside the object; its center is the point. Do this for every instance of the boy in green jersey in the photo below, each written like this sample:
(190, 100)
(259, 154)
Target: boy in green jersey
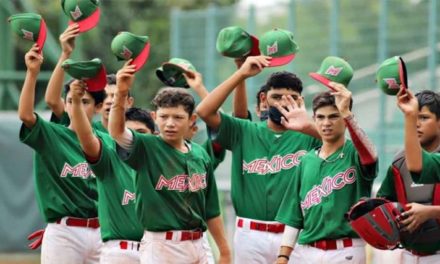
(329, 180)
(422, 200)
(174, 178)
(264, 157)
(121, 231)
(53, 96)
(65, 185)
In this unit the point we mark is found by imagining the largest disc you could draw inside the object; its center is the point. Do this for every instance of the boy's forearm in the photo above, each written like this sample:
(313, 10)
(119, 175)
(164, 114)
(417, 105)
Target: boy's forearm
(89, 142)
(27, 99)
(53, 96)
(216, 228)
(413, 149)
(210, 105)
(116, 124)
(240, 101)
(364, 146)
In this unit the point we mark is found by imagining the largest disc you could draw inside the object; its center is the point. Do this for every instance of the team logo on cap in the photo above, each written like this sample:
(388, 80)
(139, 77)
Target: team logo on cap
(126, 53)
(76, 14)
(333, 71)
(392, 83)
(27, 34)
(184, 65)
(272, 49)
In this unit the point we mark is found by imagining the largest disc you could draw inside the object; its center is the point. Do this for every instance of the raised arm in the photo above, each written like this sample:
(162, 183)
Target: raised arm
(240, 97)
(216, 228)
(33, 62)
(53, 96)
(208, 108)
(365, 148)
(195, 81)
(116, 127)
(90, 144)
(409, 106)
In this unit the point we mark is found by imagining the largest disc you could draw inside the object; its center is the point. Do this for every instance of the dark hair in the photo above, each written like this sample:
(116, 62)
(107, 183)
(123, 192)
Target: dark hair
(111, 80)
(140, 115)
(173, 97)
(325, 99)
(284, 79)
(263, 89)
(98, 97)
(431, 100)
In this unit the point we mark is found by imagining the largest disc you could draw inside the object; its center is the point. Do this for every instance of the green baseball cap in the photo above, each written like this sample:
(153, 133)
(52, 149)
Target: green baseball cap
(280, 45)
(391, 74)
(127, 46)
(85, 13)
(333, 69)
(92, 72)
(171, 72)
(235, 42)
(29, 26)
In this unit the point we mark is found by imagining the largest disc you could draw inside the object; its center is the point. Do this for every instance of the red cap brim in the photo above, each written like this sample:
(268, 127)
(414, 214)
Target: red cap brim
(255, 51)
(140, 60)
(97, 83)
(402, 73)
(321, 79)
(88, 23)
(42, 36)
(274, 62)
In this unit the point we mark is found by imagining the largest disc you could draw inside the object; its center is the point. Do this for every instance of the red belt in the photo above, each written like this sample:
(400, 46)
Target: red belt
(184, 235)
(421, 254)
(133, 245)
(82, 222)
(272, 228)
(331, 244)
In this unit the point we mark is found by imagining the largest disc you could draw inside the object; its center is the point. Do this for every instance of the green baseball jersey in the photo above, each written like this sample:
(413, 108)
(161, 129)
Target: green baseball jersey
(215, 151)
(117, 197)
(178, 187)
(388, 190)
(322, 191)
(65, 185)
(263, 163)
(65, 120)
(430, 172)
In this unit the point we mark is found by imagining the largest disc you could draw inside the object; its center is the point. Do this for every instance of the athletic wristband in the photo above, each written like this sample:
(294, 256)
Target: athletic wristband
(284, 256)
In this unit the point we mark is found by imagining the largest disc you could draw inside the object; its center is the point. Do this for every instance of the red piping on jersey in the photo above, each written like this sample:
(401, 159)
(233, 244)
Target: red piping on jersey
(400, 189)
(401, 193)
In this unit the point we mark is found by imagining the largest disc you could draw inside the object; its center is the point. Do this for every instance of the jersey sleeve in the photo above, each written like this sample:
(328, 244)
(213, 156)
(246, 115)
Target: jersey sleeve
(215, 151)
(212, 202)
(430, 172)
(138, 151)
(35, 137)
(231, 131)
(368, 172)
(63, 120)
(290, 212)
(387, 189)
(102, 167)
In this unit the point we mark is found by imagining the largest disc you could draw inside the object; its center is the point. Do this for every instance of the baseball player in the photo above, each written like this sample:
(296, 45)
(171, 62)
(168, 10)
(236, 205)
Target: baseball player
(53, 96)
(121, 231)
(329, 180)
(265, 155)
(174, 179)
(420, 199)
(65, 185)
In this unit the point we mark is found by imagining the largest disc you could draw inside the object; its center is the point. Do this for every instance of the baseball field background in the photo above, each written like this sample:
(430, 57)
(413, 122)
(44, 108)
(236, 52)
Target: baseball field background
(363, 32)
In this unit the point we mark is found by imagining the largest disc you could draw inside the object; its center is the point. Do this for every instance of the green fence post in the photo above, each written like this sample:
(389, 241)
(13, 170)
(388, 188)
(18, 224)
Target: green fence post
(291, 17)
(381, 56)
(432, 42)
(175, 32)
(210, 52)
(251, 85)
(334, 28)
